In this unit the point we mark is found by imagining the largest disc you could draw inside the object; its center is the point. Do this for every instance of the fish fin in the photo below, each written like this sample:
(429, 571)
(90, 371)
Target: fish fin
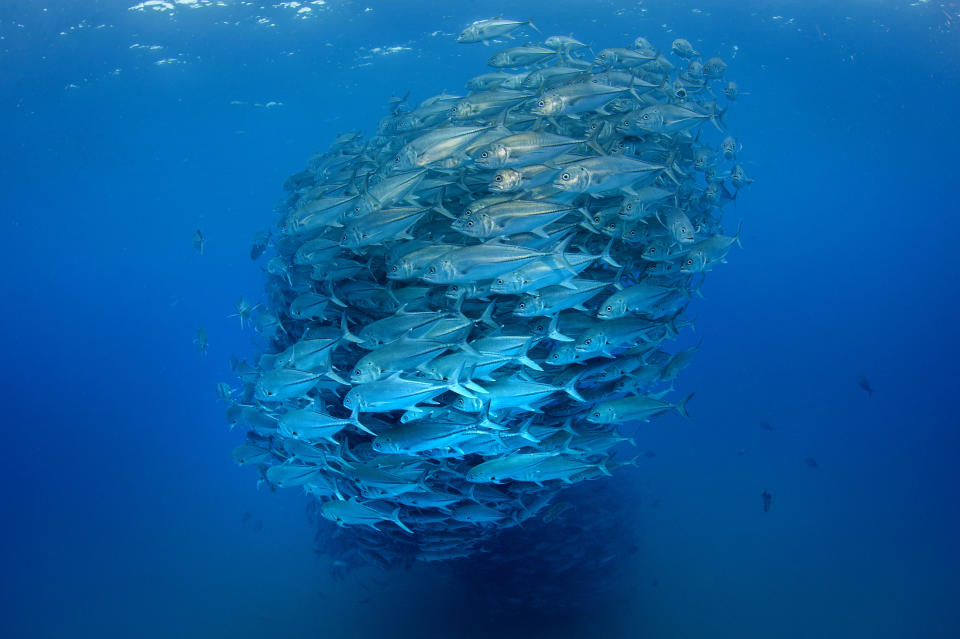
(682, 406)
(554, 334)
(475, 387)
(332, 375)
(570, 388)
(345, 330)
(525, 432)
(607, 257)
(363, 428)
(487, 317)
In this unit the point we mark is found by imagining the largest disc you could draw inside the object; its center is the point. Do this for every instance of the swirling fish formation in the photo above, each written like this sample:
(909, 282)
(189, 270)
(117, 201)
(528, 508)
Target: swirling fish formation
(463, 310)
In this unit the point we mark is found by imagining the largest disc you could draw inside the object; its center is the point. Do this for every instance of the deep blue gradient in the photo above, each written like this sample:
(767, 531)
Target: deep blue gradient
(121, 508)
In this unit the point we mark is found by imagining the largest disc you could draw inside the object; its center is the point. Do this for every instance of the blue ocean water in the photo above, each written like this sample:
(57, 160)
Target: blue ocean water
(125, 128)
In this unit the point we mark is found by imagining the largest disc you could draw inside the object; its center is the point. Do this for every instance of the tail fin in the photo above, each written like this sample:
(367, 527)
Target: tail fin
(525, 360)
(607, 257)
(345, 330)
(570, 388)
(487, 317)
(395, 518)
(682, 406)
(554, 333)
(455, 386)
(716, 117)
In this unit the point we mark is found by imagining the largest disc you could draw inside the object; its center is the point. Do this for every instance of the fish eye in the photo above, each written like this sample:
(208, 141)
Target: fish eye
(596, 219)
(540, 103)
(397, 159)
(484, 154)
(609, 308)
(565, 176)
(522, 305)
(645, 116)
(587, 341)
(683, 229)
(433, 269)
(689, 262)
(499, 178)
(629, 207)
(499, 281)
(469, 223)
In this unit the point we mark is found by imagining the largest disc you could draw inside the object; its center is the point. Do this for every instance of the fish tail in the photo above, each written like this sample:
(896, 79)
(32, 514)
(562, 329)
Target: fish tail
(533, 26)
(487, 318)
(553, 333)
(345, 330)
(682, 406)
(395, 518)
(525, 432)
(607, 257)
(716, 117)
(570, 388)
(737, 236)
(602, 467)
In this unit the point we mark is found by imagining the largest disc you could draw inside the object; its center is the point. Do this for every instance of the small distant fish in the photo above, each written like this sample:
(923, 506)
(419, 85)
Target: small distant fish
(766, 426)
(767, 499)
(258, 244)
(198, 241)
(811, 462)
(864, 383)
(201, 340)
(224, 391)
(258, 526)
(651, 454)
(741, 452)
(245, 517)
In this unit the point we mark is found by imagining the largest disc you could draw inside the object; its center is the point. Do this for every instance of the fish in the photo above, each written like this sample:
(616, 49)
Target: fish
(490, 28)
(258, 244)
(198, 242)
(767, 501)
(201, 340)
(353, 513)
(460, 311)
(864, 383)
(634, 408)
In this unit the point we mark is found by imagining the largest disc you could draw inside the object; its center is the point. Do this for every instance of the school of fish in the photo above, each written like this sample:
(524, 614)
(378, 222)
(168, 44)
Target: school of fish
(463, 312)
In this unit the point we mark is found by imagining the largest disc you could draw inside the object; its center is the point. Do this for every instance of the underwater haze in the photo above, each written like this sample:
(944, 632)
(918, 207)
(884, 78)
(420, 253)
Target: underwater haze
(812, 490)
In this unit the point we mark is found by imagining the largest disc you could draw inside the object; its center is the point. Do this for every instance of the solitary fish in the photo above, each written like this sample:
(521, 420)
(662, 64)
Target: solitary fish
(198, 241)
(767, 499)
(201, 340)
(864, 383)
